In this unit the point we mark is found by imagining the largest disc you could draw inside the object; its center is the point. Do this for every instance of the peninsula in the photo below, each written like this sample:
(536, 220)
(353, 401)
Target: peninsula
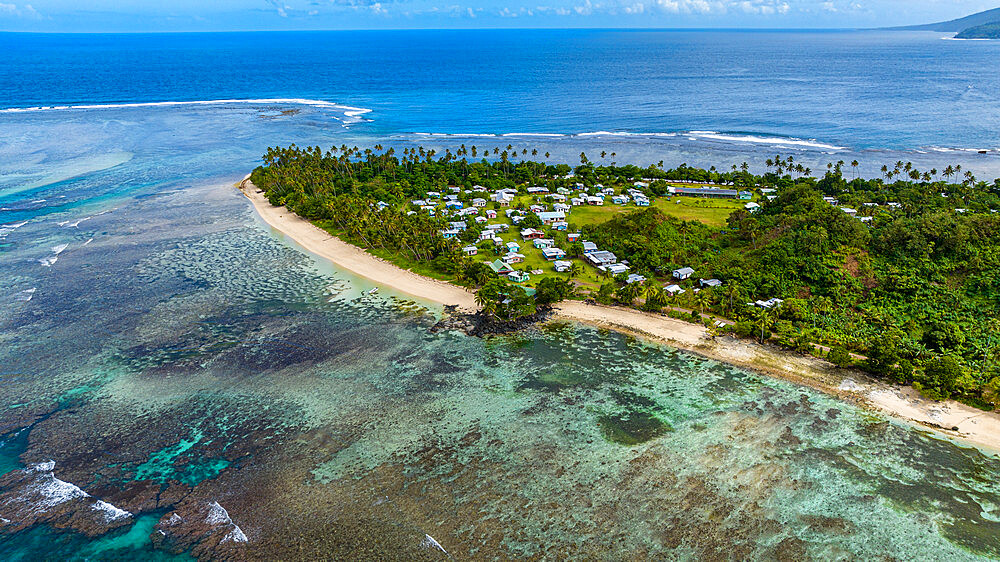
(700, 254)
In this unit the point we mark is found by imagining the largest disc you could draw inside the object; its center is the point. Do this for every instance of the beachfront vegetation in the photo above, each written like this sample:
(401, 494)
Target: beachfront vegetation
(903, 270)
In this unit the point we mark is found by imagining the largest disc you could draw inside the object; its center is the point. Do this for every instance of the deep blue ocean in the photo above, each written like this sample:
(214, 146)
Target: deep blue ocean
(177, 379)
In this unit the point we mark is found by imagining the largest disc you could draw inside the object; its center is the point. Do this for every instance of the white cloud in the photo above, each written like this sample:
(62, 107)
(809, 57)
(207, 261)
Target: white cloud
(584, 9)
(691, 6)
(12, 10)
(766, 8)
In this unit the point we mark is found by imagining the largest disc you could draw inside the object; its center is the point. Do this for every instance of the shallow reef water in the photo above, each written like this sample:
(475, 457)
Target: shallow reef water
(238, 398)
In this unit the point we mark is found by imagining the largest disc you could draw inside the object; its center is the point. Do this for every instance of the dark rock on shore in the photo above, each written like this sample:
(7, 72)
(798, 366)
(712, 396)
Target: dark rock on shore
(481, 325)
(34, 495)
(204, 529)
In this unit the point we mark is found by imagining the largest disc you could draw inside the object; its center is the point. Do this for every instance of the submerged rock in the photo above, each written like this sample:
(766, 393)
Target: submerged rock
(204, 529)
(34, 495)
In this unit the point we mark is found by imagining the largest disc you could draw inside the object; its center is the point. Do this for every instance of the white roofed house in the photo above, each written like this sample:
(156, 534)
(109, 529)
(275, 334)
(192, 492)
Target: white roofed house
(544, 243)
(562, 266)
(589, 247)
(560, 207)
(683, 273)
(552, 216)
(709, 282)
(601, 257)
(478, 202)
(552, 254)
(560, 225)
(635, 278)
(616, 268)
(491, 214)
(674, 289)
(470, 250)
(513, 257)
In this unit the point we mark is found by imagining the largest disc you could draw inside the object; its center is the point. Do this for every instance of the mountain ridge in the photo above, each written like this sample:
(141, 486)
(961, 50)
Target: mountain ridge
(956, 25)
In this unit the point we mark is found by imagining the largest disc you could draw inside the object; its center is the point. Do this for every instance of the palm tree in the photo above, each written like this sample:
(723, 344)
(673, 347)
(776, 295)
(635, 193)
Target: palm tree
(575, 269)
(764, 321)
(703, 298)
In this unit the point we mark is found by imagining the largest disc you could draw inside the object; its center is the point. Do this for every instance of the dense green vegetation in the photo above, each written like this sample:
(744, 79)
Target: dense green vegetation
(914, 289)
(985, 31)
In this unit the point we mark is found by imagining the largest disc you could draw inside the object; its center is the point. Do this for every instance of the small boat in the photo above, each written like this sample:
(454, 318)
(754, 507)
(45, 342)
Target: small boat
(374, 290)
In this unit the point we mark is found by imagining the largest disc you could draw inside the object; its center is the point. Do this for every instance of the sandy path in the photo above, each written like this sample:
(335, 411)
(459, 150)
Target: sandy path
(973, 426)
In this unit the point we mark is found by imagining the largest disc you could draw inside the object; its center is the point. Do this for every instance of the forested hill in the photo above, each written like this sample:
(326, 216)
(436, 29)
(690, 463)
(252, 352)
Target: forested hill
(904, 269)
(957, 25)
(987, 31)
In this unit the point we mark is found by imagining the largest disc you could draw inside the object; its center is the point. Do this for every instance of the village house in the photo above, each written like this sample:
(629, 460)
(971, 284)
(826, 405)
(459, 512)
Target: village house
(491, 214)
(544, 243)
(537, 190)
(709, 282)
(557, 197)
(573, 236)
(481, 220)
(751, 207)
(577, 201)
(513, 257)
(453, 205)
(531, 233)
(616, 268)
(498, 227)
(518, 276)
(601, 257)
(560, 225)
(641, 202)
(449, 234)
(769, 303)
(478, 202)
(620, 199)
(683, 273)
(562, 266)
(711, 193)
(553, 253)
(595, 200)
(470, 250)
(674, 289)
(551, 216)
(560, 207)
(536, 208)
(513, 247)
(589, 247)
(849, 211)
(635, 278)
(486, 235)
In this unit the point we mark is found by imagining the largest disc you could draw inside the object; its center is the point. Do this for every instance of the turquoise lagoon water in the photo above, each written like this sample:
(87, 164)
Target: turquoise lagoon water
(162, 346)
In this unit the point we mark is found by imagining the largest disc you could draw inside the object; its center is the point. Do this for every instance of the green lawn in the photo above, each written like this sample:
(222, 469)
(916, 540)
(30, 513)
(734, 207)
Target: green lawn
(713, 212)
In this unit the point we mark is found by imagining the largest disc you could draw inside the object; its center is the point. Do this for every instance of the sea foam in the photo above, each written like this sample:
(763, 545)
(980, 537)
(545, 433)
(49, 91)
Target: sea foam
(349, 112)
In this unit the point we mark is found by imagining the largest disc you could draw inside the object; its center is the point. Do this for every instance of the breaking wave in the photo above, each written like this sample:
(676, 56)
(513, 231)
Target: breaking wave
(706, 136)
(350, 114)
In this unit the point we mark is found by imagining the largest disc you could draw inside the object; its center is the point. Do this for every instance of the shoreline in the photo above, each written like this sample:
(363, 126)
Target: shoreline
(973, 427)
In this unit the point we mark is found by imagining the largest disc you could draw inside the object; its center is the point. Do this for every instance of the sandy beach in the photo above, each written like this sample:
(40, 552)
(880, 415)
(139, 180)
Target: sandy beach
(951, 419)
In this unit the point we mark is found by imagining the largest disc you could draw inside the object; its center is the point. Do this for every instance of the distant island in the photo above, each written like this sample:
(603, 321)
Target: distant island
(983, 25)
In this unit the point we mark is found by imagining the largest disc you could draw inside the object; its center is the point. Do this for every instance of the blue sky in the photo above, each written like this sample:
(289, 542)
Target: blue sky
(227, 15)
